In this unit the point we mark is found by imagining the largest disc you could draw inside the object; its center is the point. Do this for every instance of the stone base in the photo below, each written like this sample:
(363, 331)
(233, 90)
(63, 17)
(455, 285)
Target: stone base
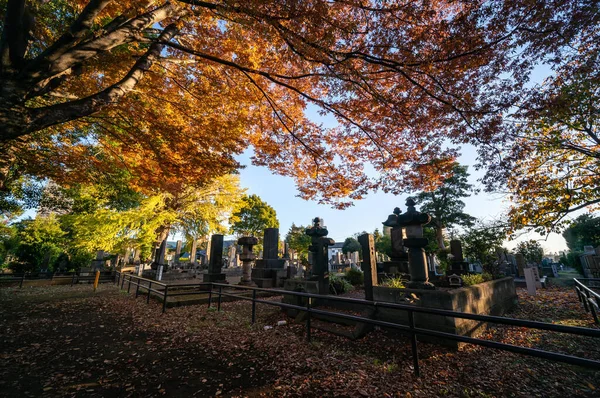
(269, 263)
(489, 298)
(458, 268)
(276, 276)
(395, 267)
(217, 278)
(247, 283)
(264, 283)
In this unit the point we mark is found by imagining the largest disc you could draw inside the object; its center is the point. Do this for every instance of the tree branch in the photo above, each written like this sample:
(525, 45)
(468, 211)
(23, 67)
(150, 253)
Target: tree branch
(61, 113)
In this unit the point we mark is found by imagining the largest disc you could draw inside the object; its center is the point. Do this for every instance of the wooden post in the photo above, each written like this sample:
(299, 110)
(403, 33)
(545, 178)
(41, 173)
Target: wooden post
(96, 280)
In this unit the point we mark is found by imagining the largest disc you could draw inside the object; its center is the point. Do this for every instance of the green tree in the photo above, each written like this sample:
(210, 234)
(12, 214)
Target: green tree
(253, 217)
(383, 242)
(480, 243)
(40, 241)
(351, 245)
(299, 242)
(444, 204)
(531, 250)
(583, 231)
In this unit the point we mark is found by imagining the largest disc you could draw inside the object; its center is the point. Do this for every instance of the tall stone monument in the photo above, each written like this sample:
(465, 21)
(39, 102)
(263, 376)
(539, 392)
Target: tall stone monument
(215, 262)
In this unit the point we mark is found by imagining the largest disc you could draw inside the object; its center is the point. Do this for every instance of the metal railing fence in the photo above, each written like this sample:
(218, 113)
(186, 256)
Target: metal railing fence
(411, 329)
(589, 298)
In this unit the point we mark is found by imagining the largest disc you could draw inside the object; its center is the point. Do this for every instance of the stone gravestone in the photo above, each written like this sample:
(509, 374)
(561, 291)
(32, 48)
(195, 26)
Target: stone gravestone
(319, 248)
(215, 262)
(520, 264)
(530, 280)
(554, 270)
(399, 261)
(247, 257)
(369, 265)
(458, 266)
(270, 270)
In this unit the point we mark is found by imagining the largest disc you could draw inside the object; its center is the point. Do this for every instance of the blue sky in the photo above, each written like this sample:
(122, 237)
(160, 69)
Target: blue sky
(367, 214)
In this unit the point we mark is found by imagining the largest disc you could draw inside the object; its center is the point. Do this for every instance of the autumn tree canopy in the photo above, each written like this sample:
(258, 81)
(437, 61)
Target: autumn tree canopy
(171, 91)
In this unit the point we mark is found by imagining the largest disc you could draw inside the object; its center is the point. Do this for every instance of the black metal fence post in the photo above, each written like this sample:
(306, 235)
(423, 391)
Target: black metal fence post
(585, 297)
(129, 284)
(219, 302)
(165, 298)
(22, 279)
(149, 287)
(210, 295)
(413, 337)
(253, 306)
(308, 319)
(122, 282)
(73, 280)
(137, 288)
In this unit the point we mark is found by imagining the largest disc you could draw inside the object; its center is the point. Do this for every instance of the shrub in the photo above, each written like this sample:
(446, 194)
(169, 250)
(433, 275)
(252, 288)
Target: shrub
(396, 282)
(339, 285)
(355, 277)
(472, 279)
(487, 276)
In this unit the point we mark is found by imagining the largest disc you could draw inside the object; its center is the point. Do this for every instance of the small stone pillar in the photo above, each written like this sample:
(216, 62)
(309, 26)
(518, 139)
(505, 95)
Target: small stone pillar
(319, 248)
(247, 257)
(369, 265)
(215, 262)
(413, 222)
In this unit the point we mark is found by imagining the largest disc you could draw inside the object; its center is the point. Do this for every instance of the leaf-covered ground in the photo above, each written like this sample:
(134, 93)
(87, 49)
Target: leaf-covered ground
(68, 341)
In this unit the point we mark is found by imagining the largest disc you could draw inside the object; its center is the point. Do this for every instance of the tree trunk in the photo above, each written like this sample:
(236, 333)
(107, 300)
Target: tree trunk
(439, 235)
(162, 233)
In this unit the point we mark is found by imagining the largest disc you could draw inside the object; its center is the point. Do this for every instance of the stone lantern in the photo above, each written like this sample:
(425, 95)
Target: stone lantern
(247, 257)
(319, 248)
(413, 222)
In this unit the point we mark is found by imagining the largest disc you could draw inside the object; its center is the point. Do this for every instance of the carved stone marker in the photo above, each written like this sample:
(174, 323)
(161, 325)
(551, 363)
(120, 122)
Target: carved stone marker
(369, 265)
